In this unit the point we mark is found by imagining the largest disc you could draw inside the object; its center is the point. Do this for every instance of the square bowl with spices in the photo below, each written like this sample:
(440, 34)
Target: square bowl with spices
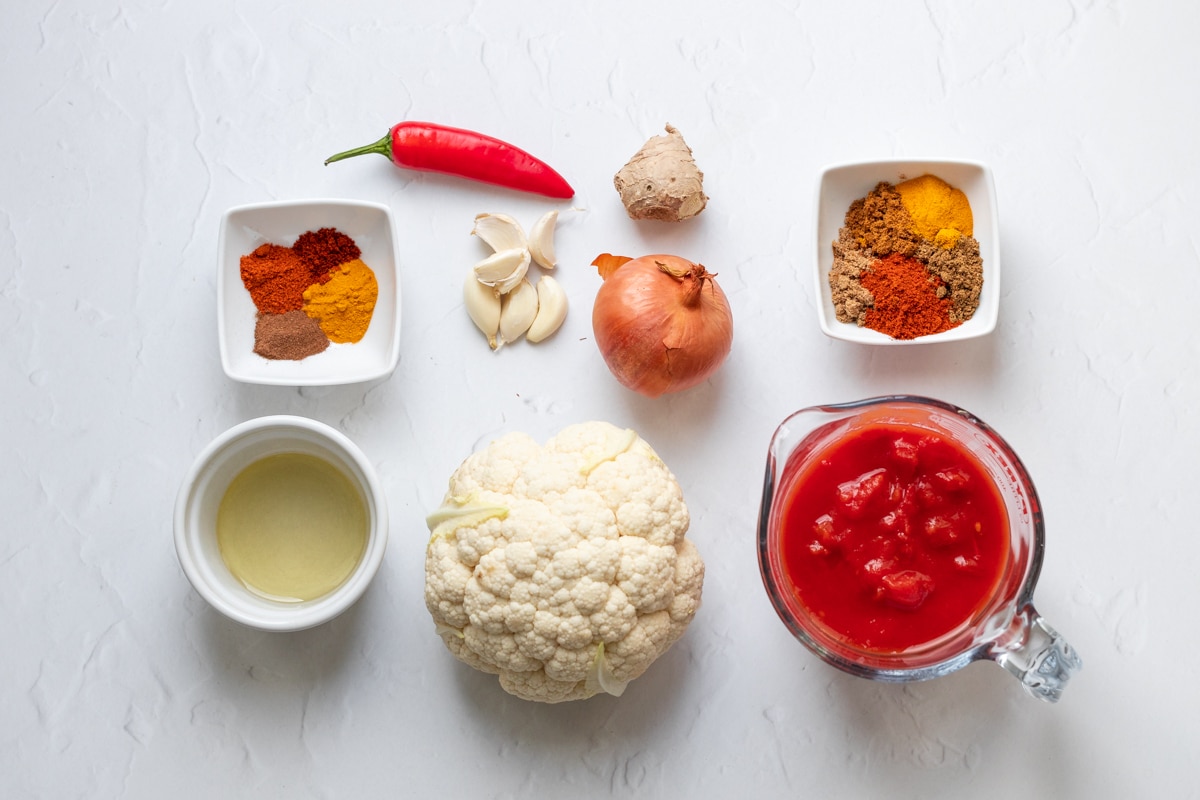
(907, 251)
(308, 292)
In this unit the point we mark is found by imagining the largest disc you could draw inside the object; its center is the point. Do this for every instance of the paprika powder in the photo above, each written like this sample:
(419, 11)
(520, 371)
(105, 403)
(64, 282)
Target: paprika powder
(276, 278)
(907, 301)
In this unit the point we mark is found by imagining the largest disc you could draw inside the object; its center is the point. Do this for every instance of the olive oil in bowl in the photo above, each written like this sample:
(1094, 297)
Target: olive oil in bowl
(292, 527)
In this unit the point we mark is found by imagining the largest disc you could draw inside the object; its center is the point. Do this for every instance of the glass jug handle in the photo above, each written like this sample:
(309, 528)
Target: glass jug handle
(1037, 655)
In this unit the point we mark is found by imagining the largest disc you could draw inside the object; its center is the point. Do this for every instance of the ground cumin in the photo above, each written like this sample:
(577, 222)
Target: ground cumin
(960, 267)
(880, 224)
(850, 298)
(288, 337)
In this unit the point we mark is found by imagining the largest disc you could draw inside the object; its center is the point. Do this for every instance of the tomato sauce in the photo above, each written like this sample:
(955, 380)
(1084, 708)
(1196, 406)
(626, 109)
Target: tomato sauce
(891, 536)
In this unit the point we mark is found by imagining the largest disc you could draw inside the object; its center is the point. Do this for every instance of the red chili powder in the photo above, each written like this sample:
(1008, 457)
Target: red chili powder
(906, 299)
(324, 249)
(276, 278)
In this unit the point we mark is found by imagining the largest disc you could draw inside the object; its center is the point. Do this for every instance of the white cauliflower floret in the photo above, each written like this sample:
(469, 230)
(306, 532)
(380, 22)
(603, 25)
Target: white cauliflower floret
(646, 574)
(562, 569)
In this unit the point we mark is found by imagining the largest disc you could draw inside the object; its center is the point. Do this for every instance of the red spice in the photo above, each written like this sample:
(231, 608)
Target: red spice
(324, 249)
(906, 299)
(276, 278)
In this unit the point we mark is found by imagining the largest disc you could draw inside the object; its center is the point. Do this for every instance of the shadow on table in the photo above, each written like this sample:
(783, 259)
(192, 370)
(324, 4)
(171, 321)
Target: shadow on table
(644, 710)
(296, 657)
(952, 724)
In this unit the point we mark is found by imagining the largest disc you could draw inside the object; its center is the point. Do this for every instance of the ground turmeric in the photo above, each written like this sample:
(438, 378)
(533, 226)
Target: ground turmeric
(343, 306)
(939, 212)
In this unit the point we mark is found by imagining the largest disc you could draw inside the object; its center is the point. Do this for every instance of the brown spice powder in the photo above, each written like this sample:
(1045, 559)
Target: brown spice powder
(961, 268)
(288, 337)
(850, 298)
(880, 224)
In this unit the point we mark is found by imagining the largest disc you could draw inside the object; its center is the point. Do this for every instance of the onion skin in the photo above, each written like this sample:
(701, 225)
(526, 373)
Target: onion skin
(662, 324)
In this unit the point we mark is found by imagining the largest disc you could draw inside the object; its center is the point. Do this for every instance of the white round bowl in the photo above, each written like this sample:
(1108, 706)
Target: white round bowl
(205, 485)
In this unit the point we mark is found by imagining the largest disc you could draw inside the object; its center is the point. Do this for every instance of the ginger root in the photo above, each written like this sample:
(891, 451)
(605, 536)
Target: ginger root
(662, 180)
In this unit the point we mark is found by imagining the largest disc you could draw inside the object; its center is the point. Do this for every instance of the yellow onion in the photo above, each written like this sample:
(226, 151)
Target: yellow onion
(662, 323)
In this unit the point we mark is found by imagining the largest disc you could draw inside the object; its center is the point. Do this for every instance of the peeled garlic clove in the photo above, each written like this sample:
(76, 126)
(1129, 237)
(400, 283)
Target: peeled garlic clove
(483, 306)
(500, 231)
(552, 309)
(517, 311)
(541, 240)
(514, 280)
(503, 270)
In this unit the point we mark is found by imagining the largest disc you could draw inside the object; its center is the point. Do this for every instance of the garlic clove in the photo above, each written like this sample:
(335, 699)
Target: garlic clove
(517, 311)
(514, 280)
(483, 306)
(541, 240)
(500, 231)
(551, 311)
(503, 270)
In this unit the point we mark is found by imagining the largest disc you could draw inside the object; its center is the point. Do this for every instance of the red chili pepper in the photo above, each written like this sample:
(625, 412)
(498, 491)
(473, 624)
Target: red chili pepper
(454, 151)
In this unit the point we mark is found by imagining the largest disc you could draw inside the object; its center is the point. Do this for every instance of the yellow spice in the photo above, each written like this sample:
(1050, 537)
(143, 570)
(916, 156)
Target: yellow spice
(343, 306)
(940, 213)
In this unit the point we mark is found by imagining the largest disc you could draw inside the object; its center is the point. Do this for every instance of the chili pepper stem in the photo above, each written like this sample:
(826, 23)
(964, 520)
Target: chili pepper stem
(383, 147)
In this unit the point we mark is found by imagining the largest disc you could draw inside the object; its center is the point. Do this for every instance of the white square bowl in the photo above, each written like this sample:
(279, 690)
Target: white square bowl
(841, 185)
(244, 228)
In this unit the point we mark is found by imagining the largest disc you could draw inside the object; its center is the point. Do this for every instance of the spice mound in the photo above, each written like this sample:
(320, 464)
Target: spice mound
(906, 262)
(308, 295)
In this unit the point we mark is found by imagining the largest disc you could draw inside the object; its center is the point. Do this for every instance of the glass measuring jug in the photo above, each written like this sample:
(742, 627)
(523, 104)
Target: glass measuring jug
(888, 564)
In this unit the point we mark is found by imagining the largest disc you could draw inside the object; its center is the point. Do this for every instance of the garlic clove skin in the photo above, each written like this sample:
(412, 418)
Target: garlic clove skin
(483, 306)
(504, 270)
(541, 240)
(500, 231)
(551, 311)
(517, 311)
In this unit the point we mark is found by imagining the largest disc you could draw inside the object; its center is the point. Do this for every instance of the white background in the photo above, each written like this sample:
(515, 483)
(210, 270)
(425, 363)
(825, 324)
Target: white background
(129, 128)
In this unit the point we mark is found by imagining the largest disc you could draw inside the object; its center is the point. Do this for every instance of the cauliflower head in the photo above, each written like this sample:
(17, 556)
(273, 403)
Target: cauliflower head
(563, 569)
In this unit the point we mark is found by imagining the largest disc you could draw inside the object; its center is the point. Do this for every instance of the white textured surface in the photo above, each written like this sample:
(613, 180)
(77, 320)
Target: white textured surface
(129, 128)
